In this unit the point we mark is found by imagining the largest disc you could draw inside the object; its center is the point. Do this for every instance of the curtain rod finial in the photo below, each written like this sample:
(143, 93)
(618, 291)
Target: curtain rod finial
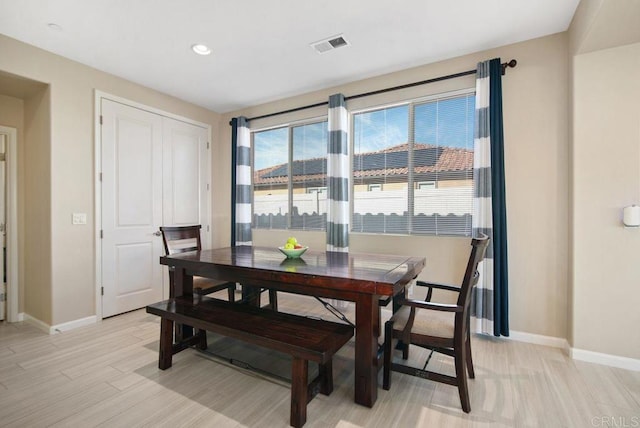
(510, 64)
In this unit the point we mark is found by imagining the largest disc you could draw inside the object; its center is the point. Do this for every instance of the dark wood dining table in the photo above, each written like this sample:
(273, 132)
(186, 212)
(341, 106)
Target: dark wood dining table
(358, 277)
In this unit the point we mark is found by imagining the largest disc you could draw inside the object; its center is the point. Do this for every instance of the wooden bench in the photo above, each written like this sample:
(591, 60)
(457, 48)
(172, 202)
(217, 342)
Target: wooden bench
(303, 338)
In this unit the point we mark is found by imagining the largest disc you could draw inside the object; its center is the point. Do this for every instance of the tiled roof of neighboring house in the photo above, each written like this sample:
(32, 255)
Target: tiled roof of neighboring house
(389, 163)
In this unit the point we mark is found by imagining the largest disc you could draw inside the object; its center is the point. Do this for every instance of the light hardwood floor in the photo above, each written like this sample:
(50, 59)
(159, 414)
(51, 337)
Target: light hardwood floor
(106, 375)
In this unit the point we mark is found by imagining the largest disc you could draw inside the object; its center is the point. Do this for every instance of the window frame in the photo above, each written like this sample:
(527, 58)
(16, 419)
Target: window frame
(411, 103)
(321, 189)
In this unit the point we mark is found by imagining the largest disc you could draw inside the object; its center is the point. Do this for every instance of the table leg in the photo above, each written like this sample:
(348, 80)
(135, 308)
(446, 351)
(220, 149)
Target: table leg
(251, 295)
(366, 359)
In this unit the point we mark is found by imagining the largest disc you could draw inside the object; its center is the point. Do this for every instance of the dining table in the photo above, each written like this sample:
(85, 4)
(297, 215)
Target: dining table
(362, 278)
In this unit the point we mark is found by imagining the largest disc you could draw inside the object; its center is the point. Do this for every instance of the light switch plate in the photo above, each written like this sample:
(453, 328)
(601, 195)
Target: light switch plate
(79, 218)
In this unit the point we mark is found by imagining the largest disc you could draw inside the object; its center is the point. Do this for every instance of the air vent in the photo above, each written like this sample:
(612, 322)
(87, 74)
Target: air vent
(329, 44)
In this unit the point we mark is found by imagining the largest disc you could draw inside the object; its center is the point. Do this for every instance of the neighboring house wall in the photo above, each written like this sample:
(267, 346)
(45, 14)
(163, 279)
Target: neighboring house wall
(536, 110)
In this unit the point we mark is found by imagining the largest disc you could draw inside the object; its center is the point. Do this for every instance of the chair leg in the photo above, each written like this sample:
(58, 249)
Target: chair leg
(202, 339)
(231, 292)
(273, 300)
(388, 346)
(472, 374)
(405, 351)
(461, 375)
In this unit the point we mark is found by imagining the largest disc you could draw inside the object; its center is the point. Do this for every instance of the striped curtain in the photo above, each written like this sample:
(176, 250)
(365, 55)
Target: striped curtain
(490, 302)
(338, 169)
(241, 181)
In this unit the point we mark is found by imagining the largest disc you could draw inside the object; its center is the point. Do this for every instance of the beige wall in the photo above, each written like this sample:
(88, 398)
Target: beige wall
(12, 115)
(37, 260)
(605, 167)
(606, 159)
(69, 251)
(12, 112)
(536, 156)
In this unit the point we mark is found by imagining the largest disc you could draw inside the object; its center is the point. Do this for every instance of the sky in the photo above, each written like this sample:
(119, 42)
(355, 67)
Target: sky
(443, 122)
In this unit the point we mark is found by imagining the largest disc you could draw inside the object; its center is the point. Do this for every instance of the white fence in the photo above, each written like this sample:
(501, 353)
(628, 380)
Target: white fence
(454, 200)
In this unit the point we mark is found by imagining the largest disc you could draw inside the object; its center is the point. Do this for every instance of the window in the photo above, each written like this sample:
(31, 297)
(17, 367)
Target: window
(317, 190)
(289, 178)
(426, 185)
(421, 156)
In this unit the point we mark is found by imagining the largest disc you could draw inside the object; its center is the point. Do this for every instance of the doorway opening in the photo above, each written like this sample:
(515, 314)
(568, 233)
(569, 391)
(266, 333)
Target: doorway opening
(8, 225)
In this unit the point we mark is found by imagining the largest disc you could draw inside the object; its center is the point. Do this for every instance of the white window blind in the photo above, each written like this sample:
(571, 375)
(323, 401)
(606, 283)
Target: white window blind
(421, 154)
(309, 176)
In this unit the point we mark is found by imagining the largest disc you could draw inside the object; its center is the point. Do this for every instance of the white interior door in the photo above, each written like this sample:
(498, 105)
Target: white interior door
(131, 207)
(155, 171)
(185, 176)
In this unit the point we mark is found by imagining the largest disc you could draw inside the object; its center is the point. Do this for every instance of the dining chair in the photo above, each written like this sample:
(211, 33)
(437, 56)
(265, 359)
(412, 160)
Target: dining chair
(440, 327)
(179, 239)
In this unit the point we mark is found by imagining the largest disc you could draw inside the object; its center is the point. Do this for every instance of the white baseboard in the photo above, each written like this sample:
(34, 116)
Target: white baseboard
(59, 328)
(605, 359)
(574, 353)
(40, 325)
(20, 316)
(538, 339)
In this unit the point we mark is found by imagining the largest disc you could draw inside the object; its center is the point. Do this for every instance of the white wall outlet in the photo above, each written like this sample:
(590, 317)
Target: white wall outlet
(79, 218)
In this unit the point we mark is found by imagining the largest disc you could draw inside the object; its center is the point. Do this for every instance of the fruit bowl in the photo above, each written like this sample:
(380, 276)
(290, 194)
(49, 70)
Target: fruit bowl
(293, 253)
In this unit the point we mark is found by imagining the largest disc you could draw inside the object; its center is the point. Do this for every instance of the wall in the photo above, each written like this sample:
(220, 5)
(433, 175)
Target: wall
(606, 159)
(12, 115)
(70, 251)
(37, 201)
(536, 156)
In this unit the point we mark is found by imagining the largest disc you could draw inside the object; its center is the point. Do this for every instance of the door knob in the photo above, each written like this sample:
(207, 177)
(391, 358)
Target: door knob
(158, 233)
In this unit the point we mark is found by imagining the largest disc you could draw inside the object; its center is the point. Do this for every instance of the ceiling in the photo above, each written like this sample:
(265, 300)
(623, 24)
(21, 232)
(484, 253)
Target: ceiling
(261, 49)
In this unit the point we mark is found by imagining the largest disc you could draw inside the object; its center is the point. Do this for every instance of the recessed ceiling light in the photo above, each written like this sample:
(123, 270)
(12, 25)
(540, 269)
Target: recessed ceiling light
(54, 26)
(201, 49)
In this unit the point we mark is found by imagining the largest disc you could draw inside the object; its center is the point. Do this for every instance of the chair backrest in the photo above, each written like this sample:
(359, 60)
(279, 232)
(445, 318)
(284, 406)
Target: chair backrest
(179, 239)
(471, 275)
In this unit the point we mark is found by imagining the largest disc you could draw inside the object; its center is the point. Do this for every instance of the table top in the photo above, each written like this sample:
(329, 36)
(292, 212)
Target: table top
(380, 274)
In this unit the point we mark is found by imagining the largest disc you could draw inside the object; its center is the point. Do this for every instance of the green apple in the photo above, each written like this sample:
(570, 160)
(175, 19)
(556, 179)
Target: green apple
(289, 246)
(292, 240)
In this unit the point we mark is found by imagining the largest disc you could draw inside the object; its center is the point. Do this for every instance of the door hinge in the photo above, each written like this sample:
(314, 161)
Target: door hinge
(207, 186)
(207, 145)
(102, 291)
(207, 228)
(100, 119)
(100, 176)
(101, 234)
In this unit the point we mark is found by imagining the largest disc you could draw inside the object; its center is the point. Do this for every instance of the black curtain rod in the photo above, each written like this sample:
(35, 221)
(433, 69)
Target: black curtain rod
(510, 64)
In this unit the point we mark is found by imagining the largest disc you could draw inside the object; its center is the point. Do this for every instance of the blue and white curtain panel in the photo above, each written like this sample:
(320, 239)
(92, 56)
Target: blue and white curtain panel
(242, 137)
(338, 169)
(490, 299)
